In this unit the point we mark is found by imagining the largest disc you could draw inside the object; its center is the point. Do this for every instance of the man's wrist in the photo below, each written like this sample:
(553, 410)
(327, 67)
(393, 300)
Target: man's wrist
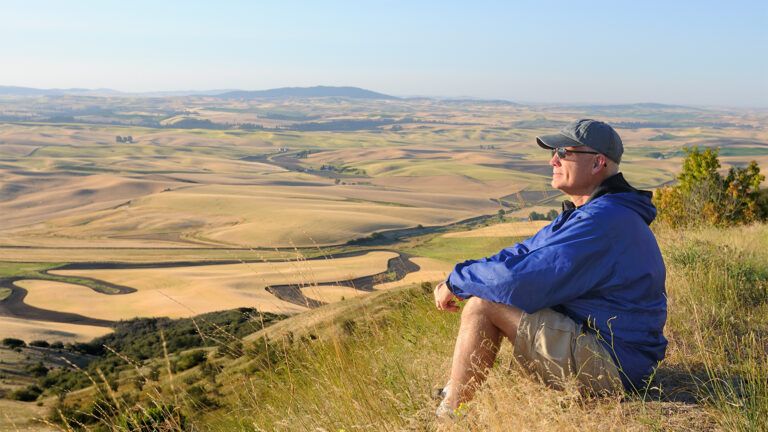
(448, 285)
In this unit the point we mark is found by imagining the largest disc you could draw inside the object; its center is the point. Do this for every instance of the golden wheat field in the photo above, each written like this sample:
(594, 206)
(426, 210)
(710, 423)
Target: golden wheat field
(72, 193)
(187, 291)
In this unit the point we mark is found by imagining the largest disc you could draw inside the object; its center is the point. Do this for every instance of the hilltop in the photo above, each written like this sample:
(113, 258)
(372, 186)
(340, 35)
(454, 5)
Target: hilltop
(275, 93)
(307, 92)
(372, 362)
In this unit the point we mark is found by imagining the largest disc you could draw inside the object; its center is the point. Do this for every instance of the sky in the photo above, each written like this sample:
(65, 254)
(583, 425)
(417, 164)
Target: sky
(705, 53)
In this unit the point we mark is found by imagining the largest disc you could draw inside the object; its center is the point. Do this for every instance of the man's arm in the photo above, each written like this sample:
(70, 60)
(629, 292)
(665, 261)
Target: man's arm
(574, 259)
(446, 300)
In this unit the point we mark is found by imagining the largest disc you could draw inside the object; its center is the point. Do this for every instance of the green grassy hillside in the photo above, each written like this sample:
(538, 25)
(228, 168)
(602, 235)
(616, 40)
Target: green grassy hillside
(373, 362)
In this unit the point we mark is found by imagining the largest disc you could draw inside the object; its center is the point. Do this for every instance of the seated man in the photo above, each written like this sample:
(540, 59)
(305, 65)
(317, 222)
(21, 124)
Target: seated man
(584, 298)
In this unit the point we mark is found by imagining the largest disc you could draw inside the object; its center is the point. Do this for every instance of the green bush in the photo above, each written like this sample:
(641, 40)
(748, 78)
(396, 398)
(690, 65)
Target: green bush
(198, 398)
(703, 197)
(159, 417)
(40, 344)
(57, 345)
(190, 360)
(27, 394)
(37, 370)
(14, 343)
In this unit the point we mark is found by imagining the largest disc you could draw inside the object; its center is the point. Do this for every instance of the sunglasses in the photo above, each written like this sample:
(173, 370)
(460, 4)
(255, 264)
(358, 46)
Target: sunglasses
(562, 153)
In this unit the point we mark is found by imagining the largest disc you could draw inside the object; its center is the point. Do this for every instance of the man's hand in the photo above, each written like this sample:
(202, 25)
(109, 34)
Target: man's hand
(444, 298)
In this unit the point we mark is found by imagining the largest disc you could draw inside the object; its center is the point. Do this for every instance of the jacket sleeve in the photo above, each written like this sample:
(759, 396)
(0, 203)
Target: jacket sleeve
(572, 261)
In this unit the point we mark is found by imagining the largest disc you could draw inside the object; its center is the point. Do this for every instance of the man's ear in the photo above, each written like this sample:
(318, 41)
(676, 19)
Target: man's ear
(599, 161)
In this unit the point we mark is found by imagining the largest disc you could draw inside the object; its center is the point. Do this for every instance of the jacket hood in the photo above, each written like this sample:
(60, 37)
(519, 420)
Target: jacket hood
(625, 195)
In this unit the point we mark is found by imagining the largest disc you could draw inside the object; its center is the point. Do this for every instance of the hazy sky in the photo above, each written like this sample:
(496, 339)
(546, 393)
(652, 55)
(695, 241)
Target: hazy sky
(691, 52)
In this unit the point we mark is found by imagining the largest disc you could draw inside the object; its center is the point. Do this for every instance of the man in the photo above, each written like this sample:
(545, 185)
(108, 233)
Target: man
(582, 299)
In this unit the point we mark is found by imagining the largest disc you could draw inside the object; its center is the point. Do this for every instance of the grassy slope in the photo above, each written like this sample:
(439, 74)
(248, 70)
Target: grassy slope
(371, 363)
(376, 366)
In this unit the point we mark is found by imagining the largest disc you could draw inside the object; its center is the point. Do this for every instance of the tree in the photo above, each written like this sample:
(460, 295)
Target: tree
(552, 214)
(703, 196)
(501, 215)
(14, 343)
(742, 194)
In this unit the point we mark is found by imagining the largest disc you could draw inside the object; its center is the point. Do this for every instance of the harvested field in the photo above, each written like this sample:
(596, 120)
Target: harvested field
(187, 291)
(510, 229)
(256, 216)
(173, 253)
(331, 294)
(29, 330)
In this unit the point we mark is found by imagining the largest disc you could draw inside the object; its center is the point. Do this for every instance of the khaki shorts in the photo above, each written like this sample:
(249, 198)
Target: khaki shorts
(553, 347)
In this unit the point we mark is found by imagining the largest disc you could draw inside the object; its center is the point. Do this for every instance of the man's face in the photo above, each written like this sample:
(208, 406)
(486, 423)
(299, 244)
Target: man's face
(574, 174)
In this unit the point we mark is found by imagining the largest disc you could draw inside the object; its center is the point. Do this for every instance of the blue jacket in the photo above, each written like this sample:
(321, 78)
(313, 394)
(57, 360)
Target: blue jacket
(599, 264)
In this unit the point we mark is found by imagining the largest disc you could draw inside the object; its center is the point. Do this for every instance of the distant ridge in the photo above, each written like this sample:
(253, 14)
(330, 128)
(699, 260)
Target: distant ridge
(29, 91)
(104, 92)
(307, 92)
(630, 106)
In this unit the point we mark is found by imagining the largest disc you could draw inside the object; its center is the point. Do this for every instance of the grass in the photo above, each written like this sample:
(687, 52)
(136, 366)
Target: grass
(37, 271)
(372, 363)
(377, 369)
(14, 269)
(457, 249)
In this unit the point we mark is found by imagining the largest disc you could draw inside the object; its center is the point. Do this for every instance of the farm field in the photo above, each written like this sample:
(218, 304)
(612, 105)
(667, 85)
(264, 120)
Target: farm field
(212, 200)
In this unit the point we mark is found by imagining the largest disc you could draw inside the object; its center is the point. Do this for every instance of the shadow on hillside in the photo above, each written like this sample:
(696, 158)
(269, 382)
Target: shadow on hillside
(676, 384)
(690, 386)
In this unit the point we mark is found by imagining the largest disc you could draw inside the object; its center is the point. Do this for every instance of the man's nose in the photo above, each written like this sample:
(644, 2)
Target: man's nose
(555, 160)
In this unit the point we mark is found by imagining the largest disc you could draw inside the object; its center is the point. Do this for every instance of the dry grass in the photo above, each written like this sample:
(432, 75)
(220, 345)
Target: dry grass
(375, 364)
(17, 416)
(372, 363)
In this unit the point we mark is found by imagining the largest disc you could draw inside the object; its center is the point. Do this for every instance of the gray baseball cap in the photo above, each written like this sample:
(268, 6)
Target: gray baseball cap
(586, 132)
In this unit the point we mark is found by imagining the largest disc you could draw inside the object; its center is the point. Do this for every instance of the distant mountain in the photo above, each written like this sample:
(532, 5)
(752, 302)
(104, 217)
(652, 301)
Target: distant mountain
(470, 101)
(22, 91)
(307, 92)
(181, 93)
(29, 91)
(631, 106)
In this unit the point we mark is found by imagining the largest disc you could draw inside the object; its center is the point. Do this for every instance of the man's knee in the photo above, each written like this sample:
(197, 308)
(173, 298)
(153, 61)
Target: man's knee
(476, 307)
(505, 317)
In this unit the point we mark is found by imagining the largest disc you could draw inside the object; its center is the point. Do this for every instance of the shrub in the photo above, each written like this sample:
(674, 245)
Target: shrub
(159, 417)
(37, 370)
(40, 344)
(198, 398)
(27, 394)
(190, 360)
(14, 343)
(703, 197)
(536, 216)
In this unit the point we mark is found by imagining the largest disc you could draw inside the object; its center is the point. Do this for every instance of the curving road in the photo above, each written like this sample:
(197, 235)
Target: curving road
(400, 266)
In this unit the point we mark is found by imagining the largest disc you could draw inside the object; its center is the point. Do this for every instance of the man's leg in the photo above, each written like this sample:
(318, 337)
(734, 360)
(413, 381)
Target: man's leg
(483, 323)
